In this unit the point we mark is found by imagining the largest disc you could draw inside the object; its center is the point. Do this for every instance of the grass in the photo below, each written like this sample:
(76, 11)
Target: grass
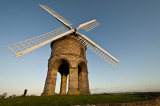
(66, 100)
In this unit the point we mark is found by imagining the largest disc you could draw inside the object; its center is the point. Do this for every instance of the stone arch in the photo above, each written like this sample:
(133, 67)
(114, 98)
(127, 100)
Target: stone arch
(54, 67)
(62, 66)
(56, 62)
(81, 61)
(83, 84)
(82, 67)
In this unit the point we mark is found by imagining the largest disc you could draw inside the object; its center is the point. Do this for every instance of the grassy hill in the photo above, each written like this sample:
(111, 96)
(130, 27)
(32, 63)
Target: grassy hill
(66, 100)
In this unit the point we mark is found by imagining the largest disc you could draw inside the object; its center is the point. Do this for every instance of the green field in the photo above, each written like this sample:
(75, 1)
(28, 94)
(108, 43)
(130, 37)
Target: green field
(66, 100)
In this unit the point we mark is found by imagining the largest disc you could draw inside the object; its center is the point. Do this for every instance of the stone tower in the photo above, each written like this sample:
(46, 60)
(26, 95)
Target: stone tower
(68, 57)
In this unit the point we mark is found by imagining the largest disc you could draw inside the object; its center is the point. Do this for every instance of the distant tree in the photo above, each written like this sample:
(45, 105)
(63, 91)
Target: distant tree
(4, 95)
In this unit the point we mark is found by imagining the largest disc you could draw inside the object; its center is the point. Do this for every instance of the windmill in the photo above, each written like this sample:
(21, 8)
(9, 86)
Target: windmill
(68, 55)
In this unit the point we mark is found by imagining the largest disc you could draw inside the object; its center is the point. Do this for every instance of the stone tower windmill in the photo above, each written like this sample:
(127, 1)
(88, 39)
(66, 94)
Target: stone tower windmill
(68, 56)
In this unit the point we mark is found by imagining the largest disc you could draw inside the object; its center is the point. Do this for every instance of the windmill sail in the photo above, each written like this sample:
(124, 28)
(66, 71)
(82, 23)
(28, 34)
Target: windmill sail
(26, 46)
(88, 25)
(105, 56)
(57, 16)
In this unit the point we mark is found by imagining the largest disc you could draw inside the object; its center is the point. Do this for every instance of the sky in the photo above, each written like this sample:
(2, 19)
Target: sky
(129, 30)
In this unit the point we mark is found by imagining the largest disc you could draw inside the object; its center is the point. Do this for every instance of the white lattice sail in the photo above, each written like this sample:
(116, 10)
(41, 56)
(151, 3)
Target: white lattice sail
(26, 46)
(57, 16)
(101, 53)
(88, 25)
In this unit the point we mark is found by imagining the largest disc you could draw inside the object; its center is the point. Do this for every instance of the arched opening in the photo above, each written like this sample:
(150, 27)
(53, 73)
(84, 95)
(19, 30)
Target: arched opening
(63, 69)
(83, 84)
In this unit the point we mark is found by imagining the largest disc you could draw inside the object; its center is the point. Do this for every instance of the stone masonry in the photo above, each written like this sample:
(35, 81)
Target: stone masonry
(68, 57)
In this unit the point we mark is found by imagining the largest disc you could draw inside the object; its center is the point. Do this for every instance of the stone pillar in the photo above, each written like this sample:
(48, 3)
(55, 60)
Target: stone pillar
(73, 81)
(63, 84)
(85, 83)
(50, 83)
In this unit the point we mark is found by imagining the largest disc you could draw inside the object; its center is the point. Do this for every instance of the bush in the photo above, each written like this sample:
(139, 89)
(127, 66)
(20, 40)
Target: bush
(13, 96)
(32, 95)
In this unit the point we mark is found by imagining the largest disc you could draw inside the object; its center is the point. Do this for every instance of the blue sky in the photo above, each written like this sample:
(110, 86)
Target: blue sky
(129, 30)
